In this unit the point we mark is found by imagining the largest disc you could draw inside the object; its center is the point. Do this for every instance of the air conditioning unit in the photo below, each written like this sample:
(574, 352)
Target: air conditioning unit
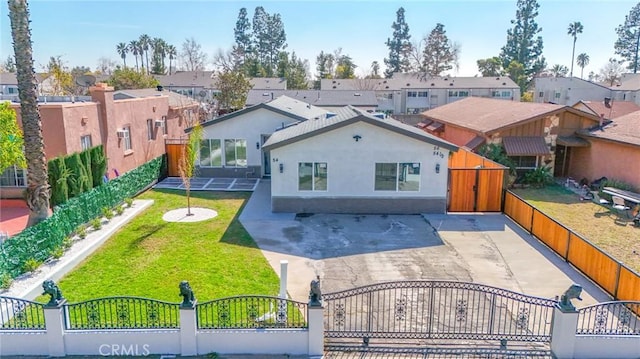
(159, 123)
(121, 133)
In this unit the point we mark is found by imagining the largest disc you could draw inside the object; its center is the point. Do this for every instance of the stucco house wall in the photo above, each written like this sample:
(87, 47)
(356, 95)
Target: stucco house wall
(605, 158)
(351, 173)
(250, 126)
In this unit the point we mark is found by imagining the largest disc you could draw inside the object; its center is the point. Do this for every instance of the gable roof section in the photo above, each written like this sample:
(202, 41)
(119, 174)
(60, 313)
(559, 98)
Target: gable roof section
(296, 110)
(625, 129)
(486, 115)
(176, 100)
(346, 116)
(617, 108)
(333, 98)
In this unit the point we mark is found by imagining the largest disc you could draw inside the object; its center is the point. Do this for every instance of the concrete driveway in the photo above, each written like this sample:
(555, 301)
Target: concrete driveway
(348, 251)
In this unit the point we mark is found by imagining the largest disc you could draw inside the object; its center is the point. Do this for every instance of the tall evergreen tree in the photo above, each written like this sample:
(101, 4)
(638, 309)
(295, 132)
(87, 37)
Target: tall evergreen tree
(345, 68)
(575, 28)
(628, 41)
(438, 55)
(490, 67)
(522, 44)
(242, 34)
(38, 191)
(399, 46)
(324, 65)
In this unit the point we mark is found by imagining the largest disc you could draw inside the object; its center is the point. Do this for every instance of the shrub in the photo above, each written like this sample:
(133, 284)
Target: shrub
(5, 281)
(82, 232)
(119, 210)
(98, 165)
(31, 265)
(539, 177)
(107, 213)
(58, 177)
(57, 253)
(497, 153)
(85, 156)
(67, 242)
(77, 180)
(96, 223)
(129, 202)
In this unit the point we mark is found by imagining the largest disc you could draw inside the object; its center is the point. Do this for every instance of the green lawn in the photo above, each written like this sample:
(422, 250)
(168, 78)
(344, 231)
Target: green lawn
(149, 257)
(619, 238)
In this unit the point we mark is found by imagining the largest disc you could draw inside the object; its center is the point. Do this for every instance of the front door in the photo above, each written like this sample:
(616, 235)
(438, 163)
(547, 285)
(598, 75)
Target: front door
(266, 158)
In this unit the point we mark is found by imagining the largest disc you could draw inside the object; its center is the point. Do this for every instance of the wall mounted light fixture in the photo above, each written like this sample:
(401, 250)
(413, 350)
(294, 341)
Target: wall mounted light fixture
(257, 145)
(281, 166)
(357, 137)
(437, 168)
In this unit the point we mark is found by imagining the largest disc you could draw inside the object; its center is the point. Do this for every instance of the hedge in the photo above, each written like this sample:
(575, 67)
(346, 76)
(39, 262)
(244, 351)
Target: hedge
(39, 241)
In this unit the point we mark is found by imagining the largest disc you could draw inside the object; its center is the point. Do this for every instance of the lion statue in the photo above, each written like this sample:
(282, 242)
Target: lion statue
(55, 294)
(565, 300)
(188, 299)
(315, 294)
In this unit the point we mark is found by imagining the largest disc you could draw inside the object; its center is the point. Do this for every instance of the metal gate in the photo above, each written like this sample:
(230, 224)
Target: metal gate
(436, 314)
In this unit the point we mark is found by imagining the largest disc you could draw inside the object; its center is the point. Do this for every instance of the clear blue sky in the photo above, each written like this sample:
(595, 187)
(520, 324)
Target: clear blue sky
(83, 31)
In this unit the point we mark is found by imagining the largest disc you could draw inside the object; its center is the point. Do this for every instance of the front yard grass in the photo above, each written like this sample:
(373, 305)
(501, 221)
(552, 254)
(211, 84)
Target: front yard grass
(149, 257)
(620, 239)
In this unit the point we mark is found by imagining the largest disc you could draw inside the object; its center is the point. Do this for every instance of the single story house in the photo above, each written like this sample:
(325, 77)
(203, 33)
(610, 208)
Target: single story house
(533, 134)
(613, 152)
(353, 162)
(232, 143)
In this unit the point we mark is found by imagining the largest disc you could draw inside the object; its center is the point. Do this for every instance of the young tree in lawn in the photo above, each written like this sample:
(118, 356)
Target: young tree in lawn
(439, 54)
(628, 41)
(187, 161)
(582, 61)
(11, 140)
(37, 177)
(575, 28)
(399, 46)
(522, 44)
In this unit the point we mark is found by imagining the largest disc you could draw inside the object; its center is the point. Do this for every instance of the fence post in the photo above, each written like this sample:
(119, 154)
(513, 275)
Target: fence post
(315, 314)
(563, 333)
(283, 278)
(188, 330)
(54, 318)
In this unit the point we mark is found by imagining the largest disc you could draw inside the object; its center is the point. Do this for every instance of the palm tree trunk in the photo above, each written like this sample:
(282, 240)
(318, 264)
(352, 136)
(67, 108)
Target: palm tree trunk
(573, 52)
(169, 66)
(136, 56)
(37, 179)
(582, 72)
(146, 54)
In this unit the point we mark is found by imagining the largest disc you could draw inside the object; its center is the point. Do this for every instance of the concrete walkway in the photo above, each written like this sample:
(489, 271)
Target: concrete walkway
(347, 251)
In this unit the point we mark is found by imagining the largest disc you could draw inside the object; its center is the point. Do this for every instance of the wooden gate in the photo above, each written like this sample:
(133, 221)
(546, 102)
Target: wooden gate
(475, 183)
(174, 149)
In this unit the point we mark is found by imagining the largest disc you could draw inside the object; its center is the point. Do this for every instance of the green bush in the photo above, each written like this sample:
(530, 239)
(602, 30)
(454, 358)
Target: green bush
(77, 180)
(38, 241)
(82, 232)
(98, 165)
(58, 177)
(128, 201)
(96, 223)
(107, 213)
(539, 177)
(57, 253)
(5, 281)
(119, 210)
(31, 265)
(67, 242)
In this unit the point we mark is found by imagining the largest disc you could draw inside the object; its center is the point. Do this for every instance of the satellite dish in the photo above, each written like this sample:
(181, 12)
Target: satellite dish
(86, 80)
(203, 94)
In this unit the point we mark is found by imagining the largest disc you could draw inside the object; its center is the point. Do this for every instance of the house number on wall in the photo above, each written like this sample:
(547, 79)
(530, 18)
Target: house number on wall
(437, 152)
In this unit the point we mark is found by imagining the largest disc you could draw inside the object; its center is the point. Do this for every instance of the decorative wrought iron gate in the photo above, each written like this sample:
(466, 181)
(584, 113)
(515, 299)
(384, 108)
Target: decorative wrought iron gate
(436, 313)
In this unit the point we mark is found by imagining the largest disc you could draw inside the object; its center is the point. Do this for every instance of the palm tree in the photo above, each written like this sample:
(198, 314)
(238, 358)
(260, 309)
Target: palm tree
(582, 61)
(37, 177)
(134, 48)
(144, 42)
(575, 28)
(172, 53)
(558, 70)
(122, 51)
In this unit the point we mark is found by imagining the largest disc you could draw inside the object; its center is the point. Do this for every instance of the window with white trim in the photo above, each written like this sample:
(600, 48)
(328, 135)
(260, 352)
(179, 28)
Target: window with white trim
(404, 176)
(85, 142)
(13, 177)
(235, 152)
(210, 153)
(312, 176)
(127, 138)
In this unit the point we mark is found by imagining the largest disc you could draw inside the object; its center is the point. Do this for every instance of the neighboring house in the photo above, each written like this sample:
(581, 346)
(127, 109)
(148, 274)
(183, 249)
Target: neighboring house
(328, 99)
(132, 130)
(232, 143)
(202, 84)
(406, 94)
(609, 109)
(569, 90)
(353, 162)
(8, 83)
(613, 152)
(533, 134)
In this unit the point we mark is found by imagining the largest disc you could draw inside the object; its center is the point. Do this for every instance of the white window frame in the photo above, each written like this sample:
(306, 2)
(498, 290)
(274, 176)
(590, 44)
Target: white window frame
(19, 175)
(399, 165)
(314, 174)
(84, 144)
(126, 139)
(220, 148)
(235, 146)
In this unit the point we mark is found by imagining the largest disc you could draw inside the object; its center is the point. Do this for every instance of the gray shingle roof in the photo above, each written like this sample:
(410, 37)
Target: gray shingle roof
(8, 78)
(343, 117)
(417, 81)
(176, 100)
(330, 98)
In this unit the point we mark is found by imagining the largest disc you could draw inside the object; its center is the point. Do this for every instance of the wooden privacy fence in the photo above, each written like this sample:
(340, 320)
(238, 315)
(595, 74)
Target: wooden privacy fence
(475, 183)
(174, 148)
(621, 282)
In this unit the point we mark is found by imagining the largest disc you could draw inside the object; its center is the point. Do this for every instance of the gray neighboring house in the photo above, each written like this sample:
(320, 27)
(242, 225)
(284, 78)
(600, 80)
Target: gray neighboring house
(354, 162)
(570, 90)
(328, 99)
(411, 93)
(8, 83)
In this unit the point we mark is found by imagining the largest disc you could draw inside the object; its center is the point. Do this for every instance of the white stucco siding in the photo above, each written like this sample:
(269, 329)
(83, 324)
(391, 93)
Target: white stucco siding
(249, 126)
(351, 164)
